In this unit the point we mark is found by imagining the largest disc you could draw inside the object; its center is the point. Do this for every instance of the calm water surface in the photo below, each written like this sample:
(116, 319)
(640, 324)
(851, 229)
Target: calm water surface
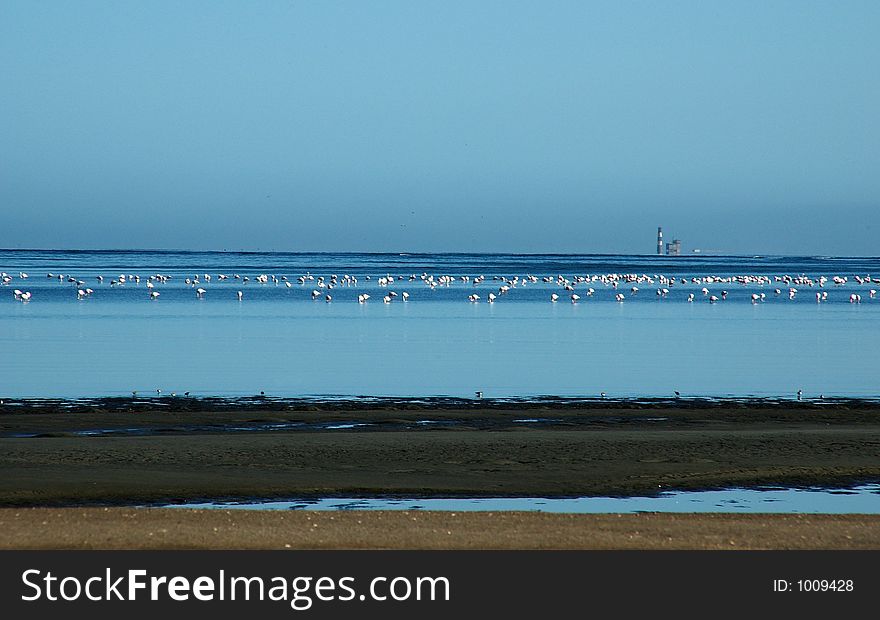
(279, 340)
(858, 500)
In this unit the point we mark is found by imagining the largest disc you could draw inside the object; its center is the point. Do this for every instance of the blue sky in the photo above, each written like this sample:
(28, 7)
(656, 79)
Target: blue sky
(741, 127)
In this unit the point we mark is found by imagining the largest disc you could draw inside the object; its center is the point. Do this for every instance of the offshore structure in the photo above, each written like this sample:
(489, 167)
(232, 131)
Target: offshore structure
(672, 249)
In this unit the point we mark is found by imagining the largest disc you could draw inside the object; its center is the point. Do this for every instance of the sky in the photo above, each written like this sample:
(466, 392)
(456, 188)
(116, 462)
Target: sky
(548, 126)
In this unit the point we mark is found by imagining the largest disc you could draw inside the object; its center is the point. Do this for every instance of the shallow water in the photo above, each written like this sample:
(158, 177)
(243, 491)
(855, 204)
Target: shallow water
(863, 499)
(279, 341)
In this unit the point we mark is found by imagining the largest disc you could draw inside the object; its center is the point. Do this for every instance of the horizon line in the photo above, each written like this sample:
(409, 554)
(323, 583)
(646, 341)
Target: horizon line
(424, 253)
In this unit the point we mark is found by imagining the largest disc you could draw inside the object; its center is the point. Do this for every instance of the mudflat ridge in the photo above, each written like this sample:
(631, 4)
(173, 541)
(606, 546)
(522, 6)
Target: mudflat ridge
(126, 451)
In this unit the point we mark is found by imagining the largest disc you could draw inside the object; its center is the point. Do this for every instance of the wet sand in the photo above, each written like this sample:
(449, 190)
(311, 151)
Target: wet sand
(186, 451)
(60, 464)
(146, 528)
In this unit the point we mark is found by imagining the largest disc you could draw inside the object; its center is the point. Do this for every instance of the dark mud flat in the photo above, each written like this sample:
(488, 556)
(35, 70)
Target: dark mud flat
(180, 415)
(125, 451)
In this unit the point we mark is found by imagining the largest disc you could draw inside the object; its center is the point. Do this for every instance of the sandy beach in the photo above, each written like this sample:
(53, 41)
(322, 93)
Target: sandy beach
(52, 473)
(150, 528)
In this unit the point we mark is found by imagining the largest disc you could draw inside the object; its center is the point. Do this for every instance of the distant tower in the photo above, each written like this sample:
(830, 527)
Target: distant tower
(659, 241)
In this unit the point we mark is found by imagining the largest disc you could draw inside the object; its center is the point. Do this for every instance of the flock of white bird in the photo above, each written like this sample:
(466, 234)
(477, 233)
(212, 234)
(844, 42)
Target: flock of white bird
(586, 284)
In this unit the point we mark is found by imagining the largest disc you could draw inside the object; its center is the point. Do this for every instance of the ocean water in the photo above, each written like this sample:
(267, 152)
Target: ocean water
(280, 341)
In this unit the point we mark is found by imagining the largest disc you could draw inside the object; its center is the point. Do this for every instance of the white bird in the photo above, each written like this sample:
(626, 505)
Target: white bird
(154, 295)
(316, 294)
(491, 297)
(80, 294)
(328, 298)
(405, 296)
(691, 297)
(200, 292)
(239, 294)
(554, 297)
(619, 297)
(574, 298)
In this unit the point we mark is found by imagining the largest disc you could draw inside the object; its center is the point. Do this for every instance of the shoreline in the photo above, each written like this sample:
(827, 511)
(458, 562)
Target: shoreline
(185, 402)
(63, 487)
(179, 455)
